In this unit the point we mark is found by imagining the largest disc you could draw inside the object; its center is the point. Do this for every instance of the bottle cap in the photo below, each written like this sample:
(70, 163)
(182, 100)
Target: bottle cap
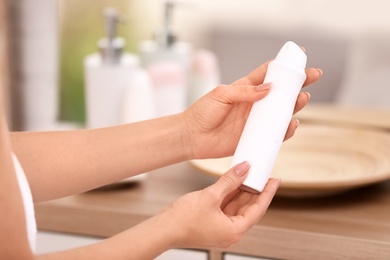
(293, 54)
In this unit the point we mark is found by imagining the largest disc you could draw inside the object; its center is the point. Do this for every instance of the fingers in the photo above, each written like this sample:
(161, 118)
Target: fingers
(291, 129)
(302, 100)
(312, 75)
(240, 203)
(269, 191)
(257, 76)
(256, 211)
(242, 93)
(229, 198)
(231, 180)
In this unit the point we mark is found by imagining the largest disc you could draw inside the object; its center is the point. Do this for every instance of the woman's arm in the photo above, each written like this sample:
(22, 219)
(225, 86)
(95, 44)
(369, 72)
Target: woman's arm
(146, 241)
(217, 216)
(63, 163)
(58, 164)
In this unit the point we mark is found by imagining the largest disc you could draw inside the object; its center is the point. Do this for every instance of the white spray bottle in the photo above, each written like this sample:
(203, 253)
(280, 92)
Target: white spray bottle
(269, 118)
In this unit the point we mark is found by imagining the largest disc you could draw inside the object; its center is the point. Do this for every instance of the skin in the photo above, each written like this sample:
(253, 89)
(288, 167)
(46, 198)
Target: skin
(59, 164)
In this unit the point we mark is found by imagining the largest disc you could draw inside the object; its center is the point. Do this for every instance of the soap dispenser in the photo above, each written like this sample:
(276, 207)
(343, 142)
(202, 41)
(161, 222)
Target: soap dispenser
(166, 55)
(169, 81)
(107, 76)
(205, 74)
(139, 98)
(165, 45)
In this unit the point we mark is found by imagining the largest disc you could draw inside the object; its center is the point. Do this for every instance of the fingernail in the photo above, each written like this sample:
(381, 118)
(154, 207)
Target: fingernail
(320, 71)
(278, 180)
(308, 95)
(241, 169)
(263, 87)
(296, 123)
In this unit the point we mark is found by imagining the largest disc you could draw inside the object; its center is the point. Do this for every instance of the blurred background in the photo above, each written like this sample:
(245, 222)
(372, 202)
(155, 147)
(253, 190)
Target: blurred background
(50, 40)
(66, 62)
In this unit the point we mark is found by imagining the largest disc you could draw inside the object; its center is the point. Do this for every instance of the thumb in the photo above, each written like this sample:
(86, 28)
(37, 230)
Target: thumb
(232, 179)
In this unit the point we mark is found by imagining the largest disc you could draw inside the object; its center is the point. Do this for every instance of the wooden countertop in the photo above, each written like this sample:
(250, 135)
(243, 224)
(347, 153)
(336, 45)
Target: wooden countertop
(352, 225)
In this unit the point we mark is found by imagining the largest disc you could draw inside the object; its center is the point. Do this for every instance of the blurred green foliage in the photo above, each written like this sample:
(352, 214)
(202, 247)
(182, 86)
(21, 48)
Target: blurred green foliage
(81, 26)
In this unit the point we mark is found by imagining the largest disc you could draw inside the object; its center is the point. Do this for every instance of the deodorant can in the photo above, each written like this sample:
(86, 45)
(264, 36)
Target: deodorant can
(269, 117)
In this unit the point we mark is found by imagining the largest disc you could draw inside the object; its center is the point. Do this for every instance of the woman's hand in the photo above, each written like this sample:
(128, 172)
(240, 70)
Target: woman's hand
(219, 215)
(215, 122)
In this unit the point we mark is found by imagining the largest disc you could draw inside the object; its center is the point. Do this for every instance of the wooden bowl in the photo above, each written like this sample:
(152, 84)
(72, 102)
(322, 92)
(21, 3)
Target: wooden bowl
(321, 160)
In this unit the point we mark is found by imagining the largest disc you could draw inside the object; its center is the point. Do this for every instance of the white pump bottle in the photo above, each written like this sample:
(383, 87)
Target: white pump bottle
(269, 118)
(108, 75)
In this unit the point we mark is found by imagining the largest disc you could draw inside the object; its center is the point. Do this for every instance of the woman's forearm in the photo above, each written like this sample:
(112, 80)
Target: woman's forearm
(144, 241)
(62, 163)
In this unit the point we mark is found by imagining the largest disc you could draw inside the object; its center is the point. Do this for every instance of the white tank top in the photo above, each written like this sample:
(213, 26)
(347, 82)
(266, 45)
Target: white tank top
(27, 202)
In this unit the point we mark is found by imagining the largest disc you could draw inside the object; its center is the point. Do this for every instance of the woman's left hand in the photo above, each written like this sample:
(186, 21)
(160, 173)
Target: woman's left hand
(219, 215)
(215, 122)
